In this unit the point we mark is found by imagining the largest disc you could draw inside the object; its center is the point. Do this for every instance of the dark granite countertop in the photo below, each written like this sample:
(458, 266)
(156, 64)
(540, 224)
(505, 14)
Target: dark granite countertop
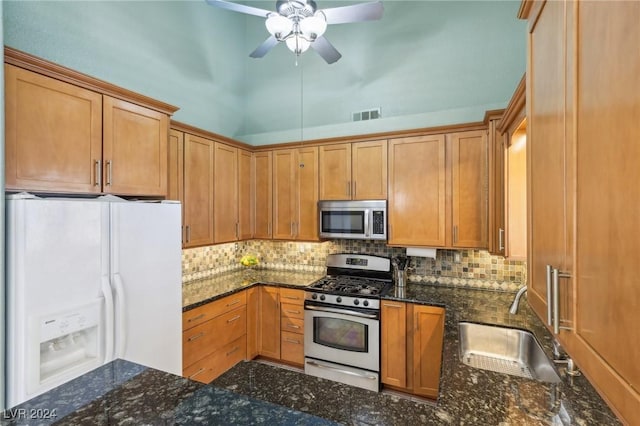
(124, 393)
(474, 396)
(200, 292)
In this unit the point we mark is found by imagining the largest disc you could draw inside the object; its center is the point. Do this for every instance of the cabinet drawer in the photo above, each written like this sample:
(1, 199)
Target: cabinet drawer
(206, 338)
(210, 310)
(288, 310)
(213, 365)
(292, 348)
(292, 325)
(292, 296)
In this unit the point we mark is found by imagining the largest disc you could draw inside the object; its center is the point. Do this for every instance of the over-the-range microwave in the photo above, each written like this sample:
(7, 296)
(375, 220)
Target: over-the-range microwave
(362, 220)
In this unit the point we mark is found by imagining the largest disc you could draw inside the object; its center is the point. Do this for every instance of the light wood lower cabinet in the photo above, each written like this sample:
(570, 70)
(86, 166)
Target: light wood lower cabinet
(269, 327)
(292, 326)
(214, 337)
(411, 347)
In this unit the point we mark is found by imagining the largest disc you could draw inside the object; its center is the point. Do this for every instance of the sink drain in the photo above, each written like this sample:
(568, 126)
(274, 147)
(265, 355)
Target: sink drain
(499, 365)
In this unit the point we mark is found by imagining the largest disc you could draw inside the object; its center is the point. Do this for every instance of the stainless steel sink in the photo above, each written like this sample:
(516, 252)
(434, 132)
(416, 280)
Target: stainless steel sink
(505, 350)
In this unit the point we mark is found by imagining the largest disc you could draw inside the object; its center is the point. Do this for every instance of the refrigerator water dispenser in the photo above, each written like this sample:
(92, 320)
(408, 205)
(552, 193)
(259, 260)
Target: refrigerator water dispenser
(68, 341)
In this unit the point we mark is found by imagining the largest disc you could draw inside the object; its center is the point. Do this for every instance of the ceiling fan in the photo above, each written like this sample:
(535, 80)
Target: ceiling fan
(300, 24)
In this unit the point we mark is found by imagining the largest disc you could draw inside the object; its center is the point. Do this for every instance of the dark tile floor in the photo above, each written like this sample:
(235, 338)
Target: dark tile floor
(324, 398)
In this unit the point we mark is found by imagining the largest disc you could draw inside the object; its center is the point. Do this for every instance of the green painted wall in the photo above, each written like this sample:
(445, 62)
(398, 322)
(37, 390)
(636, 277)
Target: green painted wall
(425, 63)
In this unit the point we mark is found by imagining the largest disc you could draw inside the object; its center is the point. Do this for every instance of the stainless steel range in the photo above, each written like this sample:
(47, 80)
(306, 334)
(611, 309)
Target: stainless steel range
(342, 320)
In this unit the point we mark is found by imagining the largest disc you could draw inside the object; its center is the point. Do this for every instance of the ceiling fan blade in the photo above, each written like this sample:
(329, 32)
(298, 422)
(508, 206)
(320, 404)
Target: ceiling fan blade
(354, 13)
(264, 48)
(236, 7)
(326, 50)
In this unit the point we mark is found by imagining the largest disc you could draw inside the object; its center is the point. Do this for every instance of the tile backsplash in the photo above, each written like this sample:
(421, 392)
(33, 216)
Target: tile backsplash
(472, 268)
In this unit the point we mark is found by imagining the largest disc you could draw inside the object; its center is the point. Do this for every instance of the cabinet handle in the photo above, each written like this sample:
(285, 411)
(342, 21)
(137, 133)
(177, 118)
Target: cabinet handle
(455, 234)
(196, 318)
(236, 318)
(188, 233)
(500, 239)
(297, 342)
(269, 229)
(109, 170)
(556, 298)
(549, 296)
(348, 188)
(292, 229)
(293, 326)
(233, 350)
(354, 189)
(98, 171)
(291, 297)
(292, 312)
(390, 305)
(196, 336)
(233, 303)
(202, 370)
(237, 233)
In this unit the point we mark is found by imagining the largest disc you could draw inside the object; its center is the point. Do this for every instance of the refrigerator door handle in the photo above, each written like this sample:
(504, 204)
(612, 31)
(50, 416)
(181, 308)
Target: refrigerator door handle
(109, 319)
(121, 333)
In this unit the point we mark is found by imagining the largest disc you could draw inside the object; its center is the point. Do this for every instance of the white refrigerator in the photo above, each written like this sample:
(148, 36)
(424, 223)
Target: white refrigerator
(89, 281)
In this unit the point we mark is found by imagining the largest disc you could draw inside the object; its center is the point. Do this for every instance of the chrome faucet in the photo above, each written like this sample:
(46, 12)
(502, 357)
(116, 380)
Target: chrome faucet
(514, 306)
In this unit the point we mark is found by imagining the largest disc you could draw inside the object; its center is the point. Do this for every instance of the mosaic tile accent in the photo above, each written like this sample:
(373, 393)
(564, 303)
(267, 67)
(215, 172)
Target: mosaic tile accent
(475, 269)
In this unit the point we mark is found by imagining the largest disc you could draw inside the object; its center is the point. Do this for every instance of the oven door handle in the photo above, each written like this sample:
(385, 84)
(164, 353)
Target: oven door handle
(341, 311)
(352, 373)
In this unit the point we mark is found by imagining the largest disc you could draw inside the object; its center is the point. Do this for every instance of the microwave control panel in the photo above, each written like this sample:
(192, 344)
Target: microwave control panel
(378, 222)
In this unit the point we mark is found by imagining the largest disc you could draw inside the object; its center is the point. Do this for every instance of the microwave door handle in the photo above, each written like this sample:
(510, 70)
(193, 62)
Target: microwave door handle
(367, 231)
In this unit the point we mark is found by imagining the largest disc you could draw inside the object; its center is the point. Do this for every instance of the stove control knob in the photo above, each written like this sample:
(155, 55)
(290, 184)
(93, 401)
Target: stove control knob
(339, 299)
(314, 296)
(365, 303)
(322, 297)
(356, 302)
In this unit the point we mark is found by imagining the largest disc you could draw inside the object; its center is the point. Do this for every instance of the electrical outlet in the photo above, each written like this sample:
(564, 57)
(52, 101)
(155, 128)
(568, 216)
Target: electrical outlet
(457, 258)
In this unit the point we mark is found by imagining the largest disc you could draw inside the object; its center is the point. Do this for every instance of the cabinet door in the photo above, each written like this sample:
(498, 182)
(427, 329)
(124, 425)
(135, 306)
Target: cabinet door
(253, 321)
(608, 224)
(546, 153)
(175, 166)
(198, 191)
(393, 356)
(417, 178)
(369, 170)
(263, 197)
(496, 190)
(225, 193)
(335, 172)
(469, 184)
(428, 333)
(245, 195)
(53, 134)
(134, 149)
(306, 227)
(270, 322)
(284, 193)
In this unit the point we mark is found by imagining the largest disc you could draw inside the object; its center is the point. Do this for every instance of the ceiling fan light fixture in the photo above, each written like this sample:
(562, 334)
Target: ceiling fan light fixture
(313, 26)
(278, 26)
(297, 44)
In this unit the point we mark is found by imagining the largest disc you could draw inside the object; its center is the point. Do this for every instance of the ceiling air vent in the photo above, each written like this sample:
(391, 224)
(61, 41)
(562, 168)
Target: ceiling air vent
(369, 114)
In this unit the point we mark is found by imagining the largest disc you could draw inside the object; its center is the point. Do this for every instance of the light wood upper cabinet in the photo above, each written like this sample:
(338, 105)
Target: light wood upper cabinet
(245, 195)
(198, 191)
(53, 134)
(417, 182)
(497, 222)
(262, 198)
(295, 194)
(469, 186)
(134, 149)
(353, 171)
(225, 193)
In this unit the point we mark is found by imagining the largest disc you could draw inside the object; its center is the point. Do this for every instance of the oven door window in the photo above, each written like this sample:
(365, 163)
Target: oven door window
(341, 334)
(343, 222)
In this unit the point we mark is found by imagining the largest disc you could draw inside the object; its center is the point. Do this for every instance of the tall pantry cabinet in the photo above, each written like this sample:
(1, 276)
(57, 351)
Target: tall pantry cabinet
(583, 106)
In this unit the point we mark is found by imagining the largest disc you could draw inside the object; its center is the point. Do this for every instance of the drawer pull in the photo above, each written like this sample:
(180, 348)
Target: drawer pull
(237, 317)
(233, 303)
(202, 370)
(293, 326)
(292, 297)
(233, 350)
(390, 305)
(297, 342)
(196, 318)
(196, 336)
(293, 312)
